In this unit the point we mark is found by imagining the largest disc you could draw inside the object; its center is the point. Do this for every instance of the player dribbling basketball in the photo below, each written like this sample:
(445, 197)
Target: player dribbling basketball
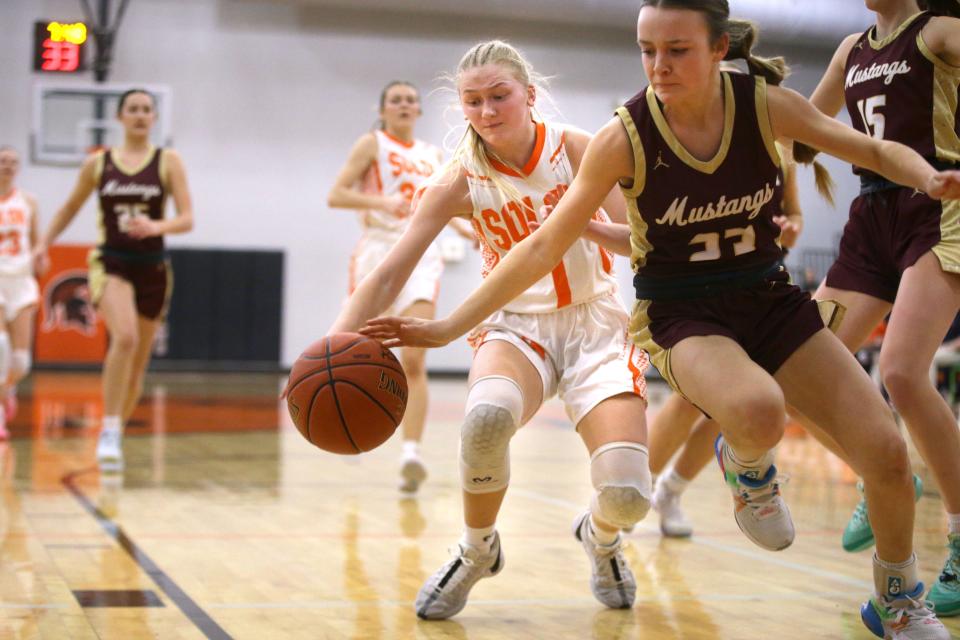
(565, 334)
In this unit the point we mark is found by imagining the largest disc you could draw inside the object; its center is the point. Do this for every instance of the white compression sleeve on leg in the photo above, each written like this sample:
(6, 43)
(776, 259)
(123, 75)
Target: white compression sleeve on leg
(494, 409)
(620, 473)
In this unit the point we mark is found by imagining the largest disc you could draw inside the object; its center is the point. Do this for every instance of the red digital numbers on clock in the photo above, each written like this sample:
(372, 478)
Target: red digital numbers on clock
(58, 47)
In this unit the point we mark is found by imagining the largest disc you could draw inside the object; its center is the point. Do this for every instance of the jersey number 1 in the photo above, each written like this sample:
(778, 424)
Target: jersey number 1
(873, 120)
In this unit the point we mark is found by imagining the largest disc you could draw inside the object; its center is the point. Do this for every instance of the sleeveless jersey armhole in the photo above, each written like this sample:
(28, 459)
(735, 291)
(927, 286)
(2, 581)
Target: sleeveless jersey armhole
(946, 95)
(164, 169)
(98, 166)
(939, 62)
(639, 159)
(763, 119)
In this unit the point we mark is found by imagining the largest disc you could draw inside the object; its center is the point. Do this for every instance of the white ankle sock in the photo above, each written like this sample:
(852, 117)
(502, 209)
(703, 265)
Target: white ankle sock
(602, 536)
(744, 467)
(411, 448)
(481, 538)
(953, 523)
(111, 423)
(673, 482)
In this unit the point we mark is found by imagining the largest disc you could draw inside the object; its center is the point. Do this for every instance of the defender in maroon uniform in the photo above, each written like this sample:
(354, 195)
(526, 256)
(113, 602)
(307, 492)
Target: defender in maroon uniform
(900, 250)
(127, 195)
(713, 316)
(129, 276)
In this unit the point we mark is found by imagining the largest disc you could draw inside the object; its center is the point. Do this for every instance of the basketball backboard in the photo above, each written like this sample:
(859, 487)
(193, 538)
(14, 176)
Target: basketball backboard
(70, 120)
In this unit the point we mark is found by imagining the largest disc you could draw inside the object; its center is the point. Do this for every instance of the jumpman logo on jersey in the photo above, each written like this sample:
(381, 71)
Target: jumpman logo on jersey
(916, 192)
(859, 45)
(660, 163)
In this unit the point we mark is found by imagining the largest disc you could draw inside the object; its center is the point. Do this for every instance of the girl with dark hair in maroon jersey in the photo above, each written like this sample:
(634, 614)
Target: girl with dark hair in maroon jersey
(900, 251)
(694, 155)
(130, 277)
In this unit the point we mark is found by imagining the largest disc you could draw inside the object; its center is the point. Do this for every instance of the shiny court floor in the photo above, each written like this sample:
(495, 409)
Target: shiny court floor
(227, 524)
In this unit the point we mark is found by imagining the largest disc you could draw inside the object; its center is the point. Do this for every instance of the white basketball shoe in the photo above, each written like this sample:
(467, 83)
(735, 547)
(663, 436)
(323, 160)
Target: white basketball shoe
(444, 594)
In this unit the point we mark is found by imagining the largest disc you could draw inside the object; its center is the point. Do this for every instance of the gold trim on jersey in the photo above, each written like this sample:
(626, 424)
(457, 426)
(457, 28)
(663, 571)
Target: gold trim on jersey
(946, 83)
(641, 335)
(164, 169)
(880, 44)
(703, 166)
(832, 313)
(763, 119)
(948, 249)
(96, 276)
(168, 293)
(640, 246)
(140, 167)
(98, 167)
(97, 178)
(639, 159)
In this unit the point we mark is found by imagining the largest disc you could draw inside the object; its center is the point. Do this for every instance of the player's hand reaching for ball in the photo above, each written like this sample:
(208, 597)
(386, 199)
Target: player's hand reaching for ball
(944, 185)
(394, 331)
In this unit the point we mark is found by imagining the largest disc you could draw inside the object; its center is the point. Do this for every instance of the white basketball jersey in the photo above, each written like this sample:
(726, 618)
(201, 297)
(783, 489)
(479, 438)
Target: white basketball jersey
(15, 247)
(586, 271)
(400, 167)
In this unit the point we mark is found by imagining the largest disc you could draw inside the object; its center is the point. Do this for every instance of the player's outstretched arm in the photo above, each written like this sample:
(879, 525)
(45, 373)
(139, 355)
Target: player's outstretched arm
(794, 117)
(612, 236)
(608, 158)
(86, 183)
(344, 195)
(438, 203)
(828, 96)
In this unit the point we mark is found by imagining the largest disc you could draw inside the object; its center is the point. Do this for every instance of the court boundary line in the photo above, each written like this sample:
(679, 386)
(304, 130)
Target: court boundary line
(200, 618)
(645, 525)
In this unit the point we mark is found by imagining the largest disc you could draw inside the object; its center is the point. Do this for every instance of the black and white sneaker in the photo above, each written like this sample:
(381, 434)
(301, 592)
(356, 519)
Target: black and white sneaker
(444, 594)
(612, 582)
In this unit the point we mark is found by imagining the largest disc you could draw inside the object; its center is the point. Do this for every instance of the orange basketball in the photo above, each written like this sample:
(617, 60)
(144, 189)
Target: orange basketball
(347, 393)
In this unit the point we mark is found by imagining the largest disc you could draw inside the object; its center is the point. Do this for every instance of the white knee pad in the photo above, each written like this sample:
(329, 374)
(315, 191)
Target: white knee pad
(20, 363)
(620, 472)
(4, 356)
(494, 409)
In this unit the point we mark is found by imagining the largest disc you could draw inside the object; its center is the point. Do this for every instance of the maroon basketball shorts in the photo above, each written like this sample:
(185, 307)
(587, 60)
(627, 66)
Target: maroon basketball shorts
(769, 320)
(888, 231)
(152, 281)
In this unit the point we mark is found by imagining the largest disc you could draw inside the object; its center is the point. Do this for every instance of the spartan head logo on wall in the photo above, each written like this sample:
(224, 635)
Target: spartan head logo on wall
(66, 304)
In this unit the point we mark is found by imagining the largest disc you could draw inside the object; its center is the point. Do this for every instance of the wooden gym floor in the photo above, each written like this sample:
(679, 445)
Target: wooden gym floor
(227, 524)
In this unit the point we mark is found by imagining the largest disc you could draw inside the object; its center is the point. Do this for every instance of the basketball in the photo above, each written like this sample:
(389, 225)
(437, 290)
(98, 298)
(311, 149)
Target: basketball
(347, 393)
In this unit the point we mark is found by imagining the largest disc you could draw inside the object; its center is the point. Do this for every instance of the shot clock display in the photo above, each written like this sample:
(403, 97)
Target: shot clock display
(58, 46)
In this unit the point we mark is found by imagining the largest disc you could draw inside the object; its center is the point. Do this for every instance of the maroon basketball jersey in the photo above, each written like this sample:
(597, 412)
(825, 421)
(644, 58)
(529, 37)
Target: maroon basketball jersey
(691, 218)
(897, 89)
(128, 193)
